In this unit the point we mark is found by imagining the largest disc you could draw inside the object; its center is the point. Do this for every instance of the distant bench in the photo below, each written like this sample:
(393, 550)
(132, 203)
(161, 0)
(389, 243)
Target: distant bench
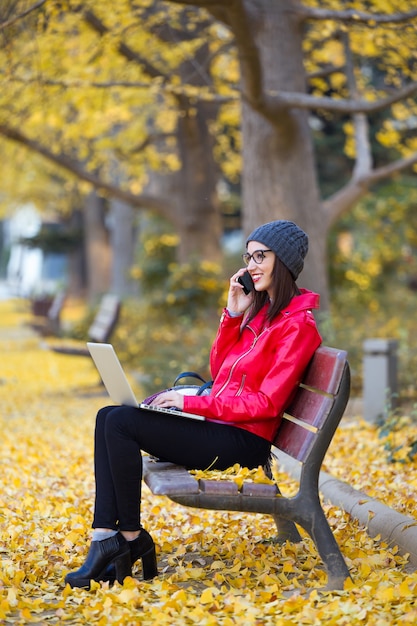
(305, 433)
(101, 328)
(51, 322)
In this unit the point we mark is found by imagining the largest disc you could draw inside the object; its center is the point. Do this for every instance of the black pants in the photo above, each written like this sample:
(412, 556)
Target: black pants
(122, 432)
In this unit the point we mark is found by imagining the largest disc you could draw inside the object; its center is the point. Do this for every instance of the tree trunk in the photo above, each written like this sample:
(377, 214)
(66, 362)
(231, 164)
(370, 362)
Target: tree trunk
(98, 253)
(197, 207)
(76, 259)
(192, 191)
(279, 175)
(123, 239)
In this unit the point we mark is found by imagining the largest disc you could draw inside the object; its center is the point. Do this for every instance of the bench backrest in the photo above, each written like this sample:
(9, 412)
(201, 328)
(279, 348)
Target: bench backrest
(105, 320)
(319, 402)
(55, 309)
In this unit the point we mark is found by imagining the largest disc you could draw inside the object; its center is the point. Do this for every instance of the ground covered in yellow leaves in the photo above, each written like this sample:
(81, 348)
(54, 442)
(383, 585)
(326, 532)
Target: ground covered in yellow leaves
(215, 567)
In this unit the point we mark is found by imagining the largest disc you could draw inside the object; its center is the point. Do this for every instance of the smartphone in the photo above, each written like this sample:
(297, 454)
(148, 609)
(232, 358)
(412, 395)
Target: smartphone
(247, 282)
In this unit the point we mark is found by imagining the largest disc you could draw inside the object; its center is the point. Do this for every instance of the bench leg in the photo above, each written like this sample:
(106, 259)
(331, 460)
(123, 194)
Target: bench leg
(321, 533)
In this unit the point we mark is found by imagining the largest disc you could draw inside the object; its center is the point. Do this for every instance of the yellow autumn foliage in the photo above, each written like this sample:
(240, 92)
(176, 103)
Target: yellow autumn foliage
(215, 567)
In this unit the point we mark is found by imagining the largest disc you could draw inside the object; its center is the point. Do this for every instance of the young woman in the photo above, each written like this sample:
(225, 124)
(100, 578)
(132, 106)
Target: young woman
(265, 340)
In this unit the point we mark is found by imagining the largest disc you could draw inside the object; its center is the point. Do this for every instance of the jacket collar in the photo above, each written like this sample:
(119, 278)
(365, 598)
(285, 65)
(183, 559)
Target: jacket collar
(305, 301)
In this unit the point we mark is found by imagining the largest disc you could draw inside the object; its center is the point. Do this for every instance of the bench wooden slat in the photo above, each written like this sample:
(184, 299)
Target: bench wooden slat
(259, 489)
(296, 441)
(325, 370)
(310, 408)
(166, 479)
(307, 407)
(225, 487)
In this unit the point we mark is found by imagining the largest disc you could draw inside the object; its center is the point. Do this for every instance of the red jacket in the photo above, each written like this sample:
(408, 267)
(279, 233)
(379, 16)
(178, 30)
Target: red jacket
(257, 369)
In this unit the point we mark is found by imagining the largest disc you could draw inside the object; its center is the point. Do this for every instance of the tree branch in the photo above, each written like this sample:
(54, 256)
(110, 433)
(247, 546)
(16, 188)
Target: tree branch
(137, 201)
(306, 101)
(79, 84)
(152, 138)
(393, 168)
(351, 15)
(175, 90)
(363, 164)
(204, 4)
(97, 25)
(341, 201)
(35, 6)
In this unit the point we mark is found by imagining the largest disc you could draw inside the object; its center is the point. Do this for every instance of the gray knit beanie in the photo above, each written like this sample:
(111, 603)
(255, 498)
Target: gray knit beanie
(287, 240)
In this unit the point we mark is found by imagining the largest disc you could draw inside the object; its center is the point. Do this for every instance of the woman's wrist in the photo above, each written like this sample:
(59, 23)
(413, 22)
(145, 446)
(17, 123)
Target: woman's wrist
(234, 313)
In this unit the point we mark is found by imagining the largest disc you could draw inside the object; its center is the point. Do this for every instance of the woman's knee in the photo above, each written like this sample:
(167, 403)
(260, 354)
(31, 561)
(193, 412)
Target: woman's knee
(102, 416)
(116, 419)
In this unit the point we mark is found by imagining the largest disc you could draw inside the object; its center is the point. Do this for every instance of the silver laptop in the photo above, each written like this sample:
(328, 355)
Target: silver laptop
(116, 383)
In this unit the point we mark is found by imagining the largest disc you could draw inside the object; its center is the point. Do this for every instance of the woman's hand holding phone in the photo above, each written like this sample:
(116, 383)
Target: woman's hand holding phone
(240, 297)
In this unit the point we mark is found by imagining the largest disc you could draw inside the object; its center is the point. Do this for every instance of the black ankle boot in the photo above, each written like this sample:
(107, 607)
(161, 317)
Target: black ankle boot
(142, 548)
(113, 551)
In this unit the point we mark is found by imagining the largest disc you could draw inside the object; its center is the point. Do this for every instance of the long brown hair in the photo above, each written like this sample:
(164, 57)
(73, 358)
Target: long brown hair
(284, 288)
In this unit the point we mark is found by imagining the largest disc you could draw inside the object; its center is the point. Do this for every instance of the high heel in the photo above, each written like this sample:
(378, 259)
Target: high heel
(149, 564)
(113, 552)
(142, 548)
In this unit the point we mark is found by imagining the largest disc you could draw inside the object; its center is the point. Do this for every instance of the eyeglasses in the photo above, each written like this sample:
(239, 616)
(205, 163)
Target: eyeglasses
(258, 256)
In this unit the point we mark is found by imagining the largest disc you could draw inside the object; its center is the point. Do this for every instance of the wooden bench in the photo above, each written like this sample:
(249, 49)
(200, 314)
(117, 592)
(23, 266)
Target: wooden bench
(101, 328)
(51, 324)
(305, 433)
